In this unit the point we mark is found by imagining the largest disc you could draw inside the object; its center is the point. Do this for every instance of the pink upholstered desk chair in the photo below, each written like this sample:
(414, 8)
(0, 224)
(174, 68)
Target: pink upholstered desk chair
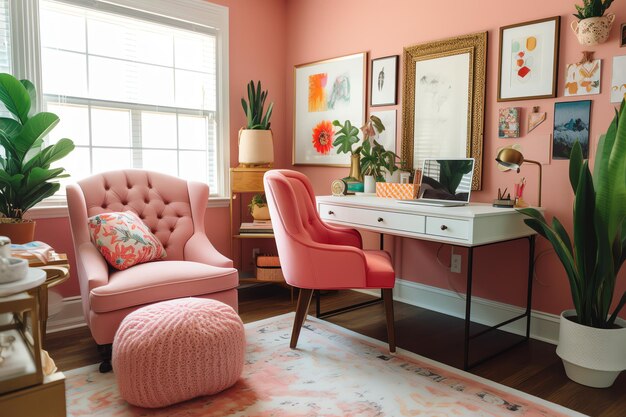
(317, 256)
(174, 210)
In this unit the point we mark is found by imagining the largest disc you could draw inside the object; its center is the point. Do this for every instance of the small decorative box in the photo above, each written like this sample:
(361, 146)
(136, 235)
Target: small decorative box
(397, 191)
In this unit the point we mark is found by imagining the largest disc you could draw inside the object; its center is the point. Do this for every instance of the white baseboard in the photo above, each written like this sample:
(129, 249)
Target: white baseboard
(70, 316)
(543, 326)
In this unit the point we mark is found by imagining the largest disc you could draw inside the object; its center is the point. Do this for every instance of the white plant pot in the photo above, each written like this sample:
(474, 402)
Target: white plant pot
(591, 357)
(593, 30)
(392, 178)
(256, 147)
(369, 184)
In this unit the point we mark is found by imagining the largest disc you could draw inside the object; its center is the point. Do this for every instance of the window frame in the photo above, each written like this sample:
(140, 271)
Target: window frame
(182, 14)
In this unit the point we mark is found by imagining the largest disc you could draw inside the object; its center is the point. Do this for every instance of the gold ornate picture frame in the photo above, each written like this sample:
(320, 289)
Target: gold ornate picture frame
(444, 101)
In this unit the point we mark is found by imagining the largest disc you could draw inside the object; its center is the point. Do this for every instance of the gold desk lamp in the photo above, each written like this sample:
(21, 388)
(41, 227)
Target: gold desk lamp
(513, 159)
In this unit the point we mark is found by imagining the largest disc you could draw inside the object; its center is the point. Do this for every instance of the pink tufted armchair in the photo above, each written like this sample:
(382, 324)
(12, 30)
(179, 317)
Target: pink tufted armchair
(174, 210)
(318, 256)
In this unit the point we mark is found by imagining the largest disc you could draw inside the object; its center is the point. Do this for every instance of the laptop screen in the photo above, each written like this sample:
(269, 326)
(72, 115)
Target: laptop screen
(447, 179)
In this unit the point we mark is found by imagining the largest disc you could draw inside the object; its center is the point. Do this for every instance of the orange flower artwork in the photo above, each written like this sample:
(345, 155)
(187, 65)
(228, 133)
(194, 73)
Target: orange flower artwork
(317, 92)
(323, 137)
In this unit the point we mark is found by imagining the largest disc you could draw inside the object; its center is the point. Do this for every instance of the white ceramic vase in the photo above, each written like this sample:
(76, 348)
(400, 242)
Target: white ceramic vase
(392, 178)
(593, 30)
(592, 357)
(256, 147)
(369, 184)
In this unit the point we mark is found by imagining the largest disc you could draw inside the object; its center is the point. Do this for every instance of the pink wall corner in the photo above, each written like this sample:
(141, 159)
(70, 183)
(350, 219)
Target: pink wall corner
(257, 40)
(384, 28)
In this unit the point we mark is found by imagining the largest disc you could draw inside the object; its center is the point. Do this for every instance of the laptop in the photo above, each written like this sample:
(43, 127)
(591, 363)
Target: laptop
(446, 182)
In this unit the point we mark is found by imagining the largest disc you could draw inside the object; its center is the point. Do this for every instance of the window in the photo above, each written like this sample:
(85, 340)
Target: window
(5, 36)
(135, 89)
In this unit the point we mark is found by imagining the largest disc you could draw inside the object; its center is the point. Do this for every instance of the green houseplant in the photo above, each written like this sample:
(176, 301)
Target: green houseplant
(593, 258)
(255, 140)
(258, 207)
(26, 176)
(593, 27)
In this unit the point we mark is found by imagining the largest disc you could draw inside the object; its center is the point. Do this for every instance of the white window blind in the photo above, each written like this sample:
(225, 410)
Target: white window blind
(130, 92)
(5, 37)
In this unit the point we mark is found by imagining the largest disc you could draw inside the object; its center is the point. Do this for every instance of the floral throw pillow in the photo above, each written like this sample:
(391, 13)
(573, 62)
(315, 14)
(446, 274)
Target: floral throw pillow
(124, 240)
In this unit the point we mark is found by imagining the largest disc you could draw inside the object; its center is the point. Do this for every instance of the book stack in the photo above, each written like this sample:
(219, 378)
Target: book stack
(256, 227)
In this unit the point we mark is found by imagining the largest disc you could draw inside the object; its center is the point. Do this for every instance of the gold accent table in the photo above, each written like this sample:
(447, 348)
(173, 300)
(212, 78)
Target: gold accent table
(57, 272)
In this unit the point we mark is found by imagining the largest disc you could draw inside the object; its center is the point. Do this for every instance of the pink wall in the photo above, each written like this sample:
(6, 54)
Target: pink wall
(323, 29)
(268, 38)
(256, 52)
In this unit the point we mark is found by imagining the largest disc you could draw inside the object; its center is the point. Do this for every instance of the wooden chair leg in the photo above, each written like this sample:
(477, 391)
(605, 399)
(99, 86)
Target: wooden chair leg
(391, 331)
(304, 299)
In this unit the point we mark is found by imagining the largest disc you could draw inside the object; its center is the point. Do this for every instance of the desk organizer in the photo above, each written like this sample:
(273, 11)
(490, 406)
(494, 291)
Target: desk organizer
(396, 190)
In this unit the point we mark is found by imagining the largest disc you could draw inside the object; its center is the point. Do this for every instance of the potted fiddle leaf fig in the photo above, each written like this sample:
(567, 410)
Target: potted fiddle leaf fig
(592, 338)
(593, 27)
(26, 176)
(256, 145)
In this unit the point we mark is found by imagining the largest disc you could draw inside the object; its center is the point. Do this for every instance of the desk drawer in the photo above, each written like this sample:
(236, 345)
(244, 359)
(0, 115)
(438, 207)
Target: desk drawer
(440, 226)
(373, 218)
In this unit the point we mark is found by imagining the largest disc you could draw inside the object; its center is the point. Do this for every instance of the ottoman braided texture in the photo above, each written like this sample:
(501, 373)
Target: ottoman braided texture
(176, 350)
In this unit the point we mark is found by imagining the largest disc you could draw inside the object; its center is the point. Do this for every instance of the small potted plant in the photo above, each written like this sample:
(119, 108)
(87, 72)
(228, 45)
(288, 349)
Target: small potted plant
(347, 137)
(256, 145)
(593, 27)
(375, 161)
(592, 338)
(26, 177)
(258, 207)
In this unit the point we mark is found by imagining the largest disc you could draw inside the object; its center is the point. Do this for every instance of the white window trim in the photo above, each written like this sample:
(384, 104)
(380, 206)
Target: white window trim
(26, 63)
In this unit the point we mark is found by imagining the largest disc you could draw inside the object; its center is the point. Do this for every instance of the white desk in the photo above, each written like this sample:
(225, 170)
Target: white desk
(471, 226)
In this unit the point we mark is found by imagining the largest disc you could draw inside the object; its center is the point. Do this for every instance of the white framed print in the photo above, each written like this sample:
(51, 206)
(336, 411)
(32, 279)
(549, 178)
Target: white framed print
(384, 81)
(328, 90)
(618, 79)
(387, 137)
(528, 60)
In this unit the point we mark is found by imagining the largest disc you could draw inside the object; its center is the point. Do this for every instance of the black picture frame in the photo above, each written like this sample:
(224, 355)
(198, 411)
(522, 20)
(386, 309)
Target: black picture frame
(380, 95)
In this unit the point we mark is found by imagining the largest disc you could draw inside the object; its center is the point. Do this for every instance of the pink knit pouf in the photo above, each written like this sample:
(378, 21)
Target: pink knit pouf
(176, 350)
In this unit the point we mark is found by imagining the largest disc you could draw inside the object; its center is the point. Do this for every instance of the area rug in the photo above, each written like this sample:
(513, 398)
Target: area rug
(334, 373)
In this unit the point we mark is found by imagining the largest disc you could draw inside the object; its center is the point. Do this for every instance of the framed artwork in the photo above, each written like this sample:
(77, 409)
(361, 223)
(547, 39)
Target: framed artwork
(384, 81)
(508, 122)
(618, 81)
(571, 124)
(583, 78)
(444, 100)
(387, 137)
(622, 37)
(528, 60)
(333, 89)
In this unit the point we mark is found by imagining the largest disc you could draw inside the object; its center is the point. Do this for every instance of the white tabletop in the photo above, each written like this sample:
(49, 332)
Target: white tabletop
(34, 278)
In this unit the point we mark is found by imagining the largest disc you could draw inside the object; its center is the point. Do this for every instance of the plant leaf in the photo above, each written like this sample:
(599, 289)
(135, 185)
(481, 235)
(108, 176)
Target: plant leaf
(15, 97)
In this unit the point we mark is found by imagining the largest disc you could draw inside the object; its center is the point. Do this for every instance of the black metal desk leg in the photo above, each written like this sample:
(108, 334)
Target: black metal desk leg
(531, 273)
(318, 295)
(468, 307)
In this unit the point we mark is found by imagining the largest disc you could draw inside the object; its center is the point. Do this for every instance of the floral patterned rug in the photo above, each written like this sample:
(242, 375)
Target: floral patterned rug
(333, 373)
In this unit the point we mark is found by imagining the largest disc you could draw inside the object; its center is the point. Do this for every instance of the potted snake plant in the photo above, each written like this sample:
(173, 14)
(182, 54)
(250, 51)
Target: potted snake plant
(592, 338)
(255, 140)
(26, 175)
(593, 27)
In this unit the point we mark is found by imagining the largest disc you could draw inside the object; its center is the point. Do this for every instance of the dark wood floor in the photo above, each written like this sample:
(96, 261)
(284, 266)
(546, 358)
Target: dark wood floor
(531, 367)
